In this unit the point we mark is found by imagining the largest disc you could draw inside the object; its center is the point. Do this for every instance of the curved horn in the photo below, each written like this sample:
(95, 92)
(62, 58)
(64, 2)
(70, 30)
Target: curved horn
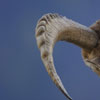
(52, 28)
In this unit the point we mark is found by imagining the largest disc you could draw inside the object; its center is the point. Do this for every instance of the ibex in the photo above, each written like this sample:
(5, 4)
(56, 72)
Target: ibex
(52, 28)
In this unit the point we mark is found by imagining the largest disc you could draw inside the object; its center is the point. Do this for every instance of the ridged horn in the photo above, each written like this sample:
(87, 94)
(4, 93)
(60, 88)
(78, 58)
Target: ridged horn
(52, 28)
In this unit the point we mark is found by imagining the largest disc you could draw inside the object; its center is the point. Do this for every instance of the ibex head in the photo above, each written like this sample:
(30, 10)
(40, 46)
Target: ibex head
(52, 28)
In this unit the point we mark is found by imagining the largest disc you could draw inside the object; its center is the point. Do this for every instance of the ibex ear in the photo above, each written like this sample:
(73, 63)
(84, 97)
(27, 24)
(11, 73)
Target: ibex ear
(98, 21)
(96, 27)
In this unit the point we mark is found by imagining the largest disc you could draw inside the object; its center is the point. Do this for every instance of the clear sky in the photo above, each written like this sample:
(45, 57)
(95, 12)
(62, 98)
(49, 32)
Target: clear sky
(22, 73)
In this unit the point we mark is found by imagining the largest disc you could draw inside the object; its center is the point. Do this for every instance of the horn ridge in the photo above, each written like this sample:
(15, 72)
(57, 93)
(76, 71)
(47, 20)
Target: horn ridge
(45, 41)
(52, 28)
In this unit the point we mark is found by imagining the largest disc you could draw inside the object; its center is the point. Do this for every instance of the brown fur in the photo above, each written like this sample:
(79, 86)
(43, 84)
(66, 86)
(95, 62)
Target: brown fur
(92, 58)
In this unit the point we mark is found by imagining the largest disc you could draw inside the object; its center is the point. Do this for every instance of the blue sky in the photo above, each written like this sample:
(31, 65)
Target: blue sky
(22, 73)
